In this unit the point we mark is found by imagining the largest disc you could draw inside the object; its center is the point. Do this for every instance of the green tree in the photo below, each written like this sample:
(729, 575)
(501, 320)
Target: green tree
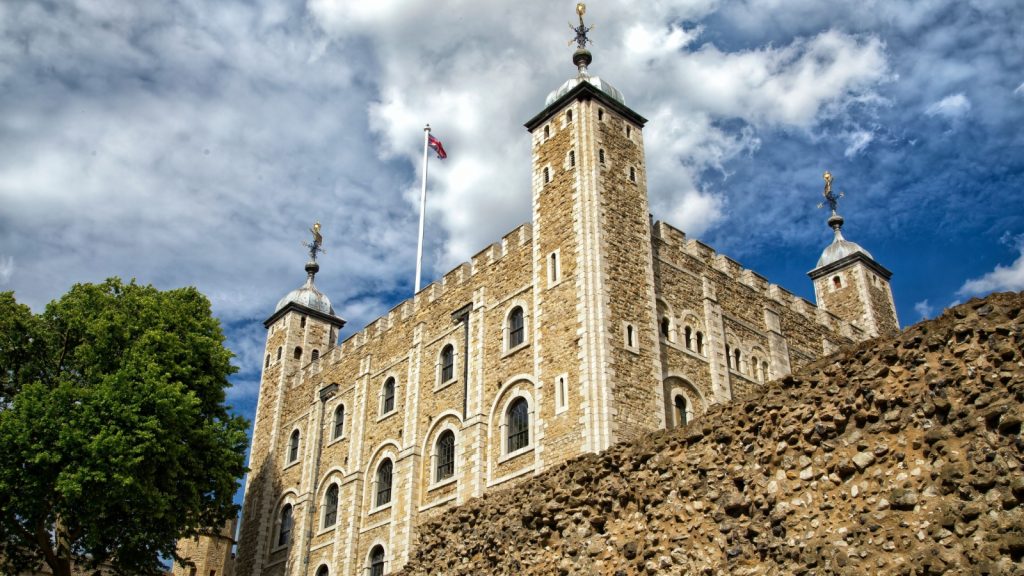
(114, 437)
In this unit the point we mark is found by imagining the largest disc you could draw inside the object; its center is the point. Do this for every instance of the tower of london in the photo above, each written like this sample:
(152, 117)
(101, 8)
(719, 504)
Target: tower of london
(589, 325)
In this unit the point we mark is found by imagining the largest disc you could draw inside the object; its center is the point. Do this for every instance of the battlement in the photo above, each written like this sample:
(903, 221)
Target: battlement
(675, 240)
(518, 239)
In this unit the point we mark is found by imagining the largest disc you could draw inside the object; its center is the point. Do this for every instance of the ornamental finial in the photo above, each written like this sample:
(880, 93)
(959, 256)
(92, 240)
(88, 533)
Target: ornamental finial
(316, 245)
(830, 197)
(581, 39)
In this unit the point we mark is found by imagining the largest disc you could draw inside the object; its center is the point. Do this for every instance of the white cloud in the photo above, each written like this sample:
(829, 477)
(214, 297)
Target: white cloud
(951, 107)
(1019, 91)
(924, 309)
(6, 269)
(1000, 279)
(859, 140)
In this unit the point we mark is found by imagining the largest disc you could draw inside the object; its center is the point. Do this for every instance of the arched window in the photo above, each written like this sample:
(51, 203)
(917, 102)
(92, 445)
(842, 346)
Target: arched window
(630, 336)
(323, 570)
(447, 363)
(728, 356)
(339, 421)
(547, 132)
(600, 114)
(680, 406)
(688, 337)
(331, 506)
(445, 451)
(377, 561)
(297, 354)
(284, 532)
(568, 116)
(388, 396)
(516, 330)
(293, 447)
(315, 355)
(518, 418)
(302, 322)
(700, 343)
(279, 351)
(384, 482)
(665, 326)
(737, 365)
(629, 132)
(837, 282)
(753, 366)
(764, 371)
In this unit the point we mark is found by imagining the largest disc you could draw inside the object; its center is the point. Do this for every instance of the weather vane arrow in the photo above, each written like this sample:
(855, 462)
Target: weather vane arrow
(830, 197)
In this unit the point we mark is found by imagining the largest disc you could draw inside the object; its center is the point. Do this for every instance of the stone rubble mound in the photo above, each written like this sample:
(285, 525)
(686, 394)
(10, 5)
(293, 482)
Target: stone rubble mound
(898, 456)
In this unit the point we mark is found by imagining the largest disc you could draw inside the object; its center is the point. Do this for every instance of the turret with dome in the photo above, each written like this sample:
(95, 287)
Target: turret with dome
(849, 282)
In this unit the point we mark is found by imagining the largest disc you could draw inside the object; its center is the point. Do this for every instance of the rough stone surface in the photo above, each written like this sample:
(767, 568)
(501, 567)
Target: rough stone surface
(914, 451)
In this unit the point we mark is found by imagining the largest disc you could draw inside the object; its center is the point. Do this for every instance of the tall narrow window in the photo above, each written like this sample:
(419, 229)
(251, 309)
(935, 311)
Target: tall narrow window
(339, 421)
(666, 326)
(518, 417)
(561, 394)
(315, 355)
(688, 338)
(267, 361)
(279, 351)
(516, 330)
(680, 406)
(629, 132)
(297, 353)
(764, 371)
(600, 155)
(547, 132)
(331, 506)
(568, 116)
(600, 114)
(447, 363)
(630, 336)
(547, 175)
(284, 532)
(384, 482)
(293, 447)
(753, 366)
(632, 174)
(302, 322)
(737, 365)
(377, 561)
(388, 396)
(700, 343)
(445, 450)
(728, 356)
(554, 271)
(572, 158)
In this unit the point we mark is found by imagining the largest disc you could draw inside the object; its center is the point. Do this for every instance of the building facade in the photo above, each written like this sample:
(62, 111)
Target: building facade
(588, 326)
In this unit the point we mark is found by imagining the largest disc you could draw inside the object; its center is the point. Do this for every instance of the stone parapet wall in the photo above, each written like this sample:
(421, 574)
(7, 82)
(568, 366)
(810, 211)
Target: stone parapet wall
(895, 456)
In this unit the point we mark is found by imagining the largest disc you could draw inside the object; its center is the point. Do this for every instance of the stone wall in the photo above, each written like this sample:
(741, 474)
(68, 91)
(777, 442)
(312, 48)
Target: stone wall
(898, 456)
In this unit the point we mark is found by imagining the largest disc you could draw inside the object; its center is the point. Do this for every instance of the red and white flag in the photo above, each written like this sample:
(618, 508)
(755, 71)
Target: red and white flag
(436, 146)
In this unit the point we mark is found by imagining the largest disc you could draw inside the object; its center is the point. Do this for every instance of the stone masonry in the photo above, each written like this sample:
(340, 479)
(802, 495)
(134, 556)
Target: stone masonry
(589, 326)
(897, 456)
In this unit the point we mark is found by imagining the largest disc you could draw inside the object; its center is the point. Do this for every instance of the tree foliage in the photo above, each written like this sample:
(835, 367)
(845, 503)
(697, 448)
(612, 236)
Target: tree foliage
(114, 437)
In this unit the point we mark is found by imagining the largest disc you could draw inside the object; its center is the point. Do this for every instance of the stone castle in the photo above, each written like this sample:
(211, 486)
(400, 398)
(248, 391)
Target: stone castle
(588, 326)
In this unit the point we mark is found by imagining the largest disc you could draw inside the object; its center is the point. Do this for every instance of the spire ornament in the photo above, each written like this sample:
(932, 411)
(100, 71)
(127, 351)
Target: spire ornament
(581, 57)
(835, 221)
(312, 267)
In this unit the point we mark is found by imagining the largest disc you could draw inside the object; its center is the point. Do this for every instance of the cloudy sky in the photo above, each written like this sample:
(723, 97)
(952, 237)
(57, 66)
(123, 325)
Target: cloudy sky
(189, 142)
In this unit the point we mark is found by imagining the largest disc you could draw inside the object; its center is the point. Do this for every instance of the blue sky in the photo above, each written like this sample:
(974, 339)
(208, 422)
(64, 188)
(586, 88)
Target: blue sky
(193, 143)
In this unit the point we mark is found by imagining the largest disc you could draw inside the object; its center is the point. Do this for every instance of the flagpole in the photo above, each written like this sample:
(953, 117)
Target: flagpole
(423, 207)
